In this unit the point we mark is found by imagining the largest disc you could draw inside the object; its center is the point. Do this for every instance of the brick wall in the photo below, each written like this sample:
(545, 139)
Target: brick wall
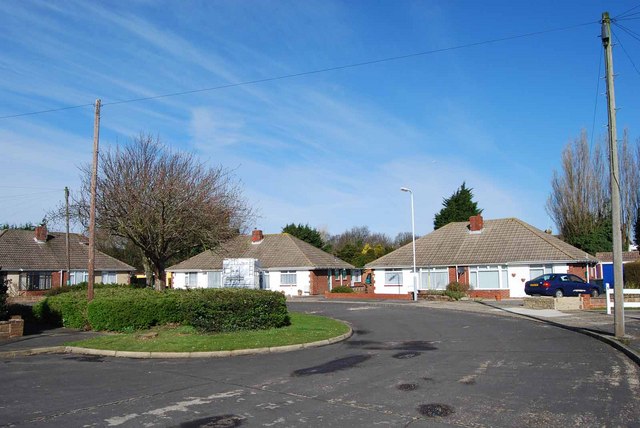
(489, 294)
(12, 328)
(578, 270)
(318, 282)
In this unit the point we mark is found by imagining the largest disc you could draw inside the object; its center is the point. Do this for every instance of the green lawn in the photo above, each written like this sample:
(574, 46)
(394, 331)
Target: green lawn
(304, 328)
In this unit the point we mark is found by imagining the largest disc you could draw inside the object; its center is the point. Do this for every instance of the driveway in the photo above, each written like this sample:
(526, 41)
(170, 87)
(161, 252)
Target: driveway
(404, 366)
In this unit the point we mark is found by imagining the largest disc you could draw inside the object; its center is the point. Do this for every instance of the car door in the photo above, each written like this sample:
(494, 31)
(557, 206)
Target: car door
(578, 285)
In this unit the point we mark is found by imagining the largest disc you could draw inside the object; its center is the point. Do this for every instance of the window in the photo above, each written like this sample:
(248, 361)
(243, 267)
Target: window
(31, 281)
(434, 279)
(575, 278)
(393, 277)
(191, 279)
(356, 275)
(109, 278)
(214, 279)
(538, 270)
(488, 277)
(78, 276)
(288, 278)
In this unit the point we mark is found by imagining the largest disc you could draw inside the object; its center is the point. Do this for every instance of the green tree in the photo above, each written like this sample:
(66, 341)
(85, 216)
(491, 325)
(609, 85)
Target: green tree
(305, 233)
(458, 207)
(597, 239)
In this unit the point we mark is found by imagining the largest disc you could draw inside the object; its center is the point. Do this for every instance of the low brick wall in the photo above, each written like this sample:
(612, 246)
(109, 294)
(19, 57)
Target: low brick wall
(12, 328)
(489, 294)
(367, 296)
(561, 304)
(24, 300)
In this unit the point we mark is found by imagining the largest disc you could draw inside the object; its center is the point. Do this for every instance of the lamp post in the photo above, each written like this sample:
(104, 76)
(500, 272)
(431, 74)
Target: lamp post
(413, 239)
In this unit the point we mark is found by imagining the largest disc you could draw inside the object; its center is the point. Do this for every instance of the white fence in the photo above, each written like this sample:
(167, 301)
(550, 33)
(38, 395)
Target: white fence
(625, 291)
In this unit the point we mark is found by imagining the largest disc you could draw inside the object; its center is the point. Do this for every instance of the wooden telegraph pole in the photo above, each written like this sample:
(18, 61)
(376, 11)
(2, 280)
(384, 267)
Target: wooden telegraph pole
(92, 209)
(618, 281)
(66, 199)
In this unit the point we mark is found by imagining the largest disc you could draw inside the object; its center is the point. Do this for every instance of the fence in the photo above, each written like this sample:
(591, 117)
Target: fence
(626, 291)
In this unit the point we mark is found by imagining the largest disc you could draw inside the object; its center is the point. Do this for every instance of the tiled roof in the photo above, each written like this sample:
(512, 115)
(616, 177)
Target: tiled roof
(627, 256)
(20, 250)
(274, 251)
(506, 240)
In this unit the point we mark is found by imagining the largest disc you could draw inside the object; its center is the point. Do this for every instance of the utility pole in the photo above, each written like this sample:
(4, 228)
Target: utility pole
(92, 209)
(618, 281)
(66, 199)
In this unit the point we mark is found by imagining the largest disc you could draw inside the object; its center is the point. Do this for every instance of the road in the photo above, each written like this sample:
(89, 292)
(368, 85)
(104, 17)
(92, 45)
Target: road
(404, 366)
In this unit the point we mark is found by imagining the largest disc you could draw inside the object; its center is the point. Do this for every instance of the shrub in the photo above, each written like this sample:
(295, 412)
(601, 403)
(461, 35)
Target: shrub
(134, 310)
(4, 312)
(342, 289)
(66, 310)
(235, 309)
(458, 287)
(631, 275)
(455, 295)
(126, 309)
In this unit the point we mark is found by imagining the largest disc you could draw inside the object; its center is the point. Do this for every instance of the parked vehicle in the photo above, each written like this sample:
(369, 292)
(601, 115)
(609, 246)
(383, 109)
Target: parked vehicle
(561, 284)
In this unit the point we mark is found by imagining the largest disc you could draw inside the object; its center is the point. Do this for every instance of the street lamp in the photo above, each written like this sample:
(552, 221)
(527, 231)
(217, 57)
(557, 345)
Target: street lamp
(413, 239)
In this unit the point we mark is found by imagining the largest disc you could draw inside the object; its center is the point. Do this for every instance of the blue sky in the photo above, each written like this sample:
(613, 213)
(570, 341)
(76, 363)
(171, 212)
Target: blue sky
(328, 149)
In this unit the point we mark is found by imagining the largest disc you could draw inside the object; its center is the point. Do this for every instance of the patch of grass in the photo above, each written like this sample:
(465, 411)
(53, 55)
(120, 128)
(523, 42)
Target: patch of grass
(304, 328)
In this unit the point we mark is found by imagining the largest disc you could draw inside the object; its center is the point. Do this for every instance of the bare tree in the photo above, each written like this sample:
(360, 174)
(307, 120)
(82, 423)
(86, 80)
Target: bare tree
(629, 186)
(579, 197)
(166, 203)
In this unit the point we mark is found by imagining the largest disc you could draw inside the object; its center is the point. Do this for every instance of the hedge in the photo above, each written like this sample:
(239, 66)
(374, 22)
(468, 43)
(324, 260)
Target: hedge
(631, 275)
(342, 289)
(123, 309)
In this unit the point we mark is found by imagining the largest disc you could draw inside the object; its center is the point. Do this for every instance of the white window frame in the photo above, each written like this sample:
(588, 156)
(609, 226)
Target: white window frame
(188, 276)
(430, 274)
(474, 276)
(356, 275)
(73, 276)
(288, 275)
(389, 276)
(214, 274)
(109, 274)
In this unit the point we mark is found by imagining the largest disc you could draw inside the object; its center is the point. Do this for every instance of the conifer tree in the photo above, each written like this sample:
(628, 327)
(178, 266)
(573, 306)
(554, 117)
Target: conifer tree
(458, 207)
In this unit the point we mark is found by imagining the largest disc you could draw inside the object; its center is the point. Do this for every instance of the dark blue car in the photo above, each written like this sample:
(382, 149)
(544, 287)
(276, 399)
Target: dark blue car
(561, 284)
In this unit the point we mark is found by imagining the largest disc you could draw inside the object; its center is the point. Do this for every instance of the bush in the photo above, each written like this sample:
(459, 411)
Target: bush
(134, 310)
(631, 275)
(126, 309)
(458, 287)
(83, 287)
(455, 295)
(342, 289)
(235, 309)
(65, 310)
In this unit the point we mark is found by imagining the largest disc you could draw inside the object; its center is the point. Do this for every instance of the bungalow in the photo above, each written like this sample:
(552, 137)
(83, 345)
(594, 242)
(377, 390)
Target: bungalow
(495, 257)
(283, 263)
(37, 261)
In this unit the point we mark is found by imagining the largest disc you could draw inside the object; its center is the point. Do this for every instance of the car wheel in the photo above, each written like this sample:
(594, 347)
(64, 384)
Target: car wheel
(594, 293)
(559, 293)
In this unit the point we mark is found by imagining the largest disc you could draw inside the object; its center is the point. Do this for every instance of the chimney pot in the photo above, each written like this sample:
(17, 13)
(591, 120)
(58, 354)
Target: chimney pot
(41, 233)
(257, 236)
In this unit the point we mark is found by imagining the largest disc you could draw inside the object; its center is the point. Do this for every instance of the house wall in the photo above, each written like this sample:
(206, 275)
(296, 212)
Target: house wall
(179, 280)
(319, 282)
(302, 287)
(382, 288)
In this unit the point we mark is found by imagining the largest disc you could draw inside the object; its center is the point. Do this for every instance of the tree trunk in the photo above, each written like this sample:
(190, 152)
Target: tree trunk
(148, 271)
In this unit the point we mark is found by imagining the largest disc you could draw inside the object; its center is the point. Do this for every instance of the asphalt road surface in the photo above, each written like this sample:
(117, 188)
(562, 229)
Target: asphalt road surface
(404, 366)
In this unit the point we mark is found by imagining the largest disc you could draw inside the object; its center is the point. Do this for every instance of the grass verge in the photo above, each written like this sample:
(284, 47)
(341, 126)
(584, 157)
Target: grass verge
(304, 328)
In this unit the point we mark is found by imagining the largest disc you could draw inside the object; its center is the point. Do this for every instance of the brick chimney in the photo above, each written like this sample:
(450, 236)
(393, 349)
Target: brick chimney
(41, 233)
(476, 223)
(256, 236)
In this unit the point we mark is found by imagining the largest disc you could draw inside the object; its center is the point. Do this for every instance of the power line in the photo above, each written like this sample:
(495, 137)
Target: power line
(626, 53)
(623, 14)
(307, 73)
(629, 32)
(30, 187)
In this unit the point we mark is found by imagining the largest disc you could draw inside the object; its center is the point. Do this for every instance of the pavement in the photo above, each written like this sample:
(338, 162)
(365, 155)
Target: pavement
(596, 324)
